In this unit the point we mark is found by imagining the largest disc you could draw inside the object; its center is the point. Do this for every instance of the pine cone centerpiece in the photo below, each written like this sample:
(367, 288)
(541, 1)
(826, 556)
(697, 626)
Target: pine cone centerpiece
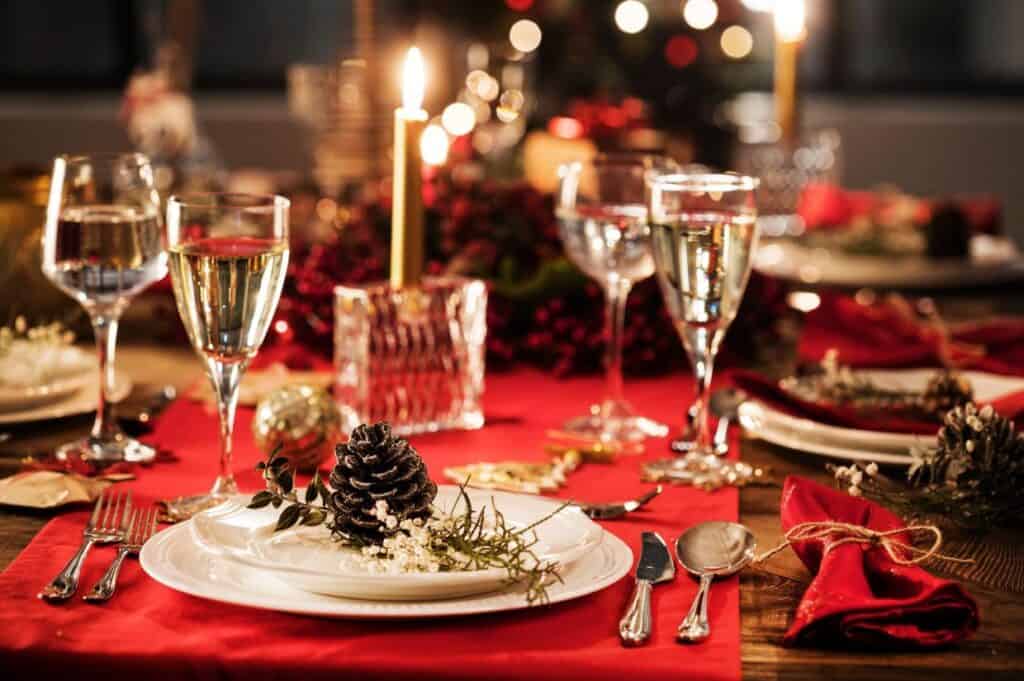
(945, 390)
(977, 469)
(373, 467)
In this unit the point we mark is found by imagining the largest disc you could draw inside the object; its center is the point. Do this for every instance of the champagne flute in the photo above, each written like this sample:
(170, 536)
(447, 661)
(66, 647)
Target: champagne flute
(103, 243)
(602, 221)
(228, 257)
(703, 232)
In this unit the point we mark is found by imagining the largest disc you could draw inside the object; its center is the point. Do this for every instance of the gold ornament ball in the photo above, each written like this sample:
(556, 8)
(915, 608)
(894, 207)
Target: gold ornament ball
(303, 420)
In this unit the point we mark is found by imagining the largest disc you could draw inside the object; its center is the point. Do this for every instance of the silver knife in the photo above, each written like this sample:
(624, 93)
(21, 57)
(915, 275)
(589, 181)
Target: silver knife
(655, 567)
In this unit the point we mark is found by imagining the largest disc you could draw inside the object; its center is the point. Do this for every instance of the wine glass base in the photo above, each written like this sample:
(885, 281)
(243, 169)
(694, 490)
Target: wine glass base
(614, 422)
(704, 469)
(114, 450)
(183, 508)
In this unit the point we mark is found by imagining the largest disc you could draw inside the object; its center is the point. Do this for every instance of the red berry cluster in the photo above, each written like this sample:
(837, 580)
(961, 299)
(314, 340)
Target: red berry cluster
(541, 311)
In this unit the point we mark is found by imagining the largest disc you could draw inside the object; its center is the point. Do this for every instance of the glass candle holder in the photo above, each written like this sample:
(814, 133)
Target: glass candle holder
(784, 169)
(413, 357)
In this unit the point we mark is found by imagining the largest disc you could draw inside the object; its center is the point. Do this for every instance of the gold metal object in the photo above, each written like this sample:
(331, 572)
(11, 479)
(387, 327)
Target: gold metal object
(516, 476)
(706, 472)
(301, 419)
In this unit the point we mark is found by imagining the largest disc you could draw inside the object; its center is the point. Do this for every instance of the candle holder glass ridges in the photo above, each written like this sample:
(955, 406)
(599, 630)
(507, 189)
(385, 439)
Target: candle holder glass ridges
(413, 357)
(784, 169)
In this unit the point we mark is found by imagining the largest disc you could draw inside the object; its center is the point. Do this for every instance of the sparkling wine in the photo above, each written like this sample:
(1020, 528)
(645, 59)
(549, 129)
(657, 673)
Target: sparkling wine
(227, 290)
(703, 269)
(608, 240)
(104, 254)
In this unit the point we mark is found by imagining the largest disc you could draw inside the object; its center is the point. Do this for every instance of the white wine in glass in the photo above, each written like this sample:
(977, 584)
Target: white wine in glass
(103, 243)
(228, 259)
(703, 234)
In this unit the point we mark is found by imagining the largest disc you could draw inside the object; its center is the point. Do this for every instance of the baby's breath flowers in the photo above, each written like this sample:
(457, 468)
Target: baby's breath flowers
(973, 477)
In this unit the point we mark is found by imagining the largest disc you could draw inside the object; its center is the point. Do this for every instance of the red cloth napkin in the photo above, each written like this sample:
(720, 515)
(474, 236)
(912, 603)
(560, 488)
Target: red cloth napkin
(151, 632)
(824, 205)
(859, 595)
(881, 335)
(767, 390)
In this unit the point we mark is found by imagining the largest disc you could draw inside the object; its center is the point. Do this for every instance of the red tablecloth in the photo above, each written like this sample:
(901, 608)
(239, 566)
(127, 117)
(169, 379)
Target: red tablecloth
(151, 632)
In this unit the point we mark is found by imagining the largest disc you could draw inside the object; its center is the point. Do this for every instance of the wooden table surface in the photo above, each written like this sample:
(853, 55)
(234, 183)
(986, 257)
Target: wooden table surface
(767, 599)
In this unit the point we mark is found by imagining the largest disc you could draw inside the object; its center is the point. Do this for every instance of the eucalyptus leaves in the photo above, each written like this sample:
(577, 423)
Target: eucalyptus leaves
(280, 482)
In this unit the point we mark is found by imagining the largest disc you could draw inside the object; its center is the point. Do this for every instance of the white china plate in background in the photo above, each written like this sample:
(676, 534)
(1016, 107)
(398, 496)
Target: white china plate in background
(993, 260)
(308, 559)
(174, 559)
(17, 398)
(810, 436)
(80, 401)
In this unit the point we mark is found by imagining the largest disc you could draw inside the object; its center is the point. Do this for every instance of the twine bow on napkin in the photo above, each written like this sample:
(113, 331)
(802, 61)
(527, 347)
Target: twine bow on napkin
(900, 552)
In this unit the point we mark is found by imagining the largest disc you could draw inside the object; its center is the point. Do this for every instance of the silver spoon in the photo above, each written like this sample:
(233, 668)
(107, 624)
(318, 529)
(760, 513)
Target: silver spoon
(709, 550)
(725, 404)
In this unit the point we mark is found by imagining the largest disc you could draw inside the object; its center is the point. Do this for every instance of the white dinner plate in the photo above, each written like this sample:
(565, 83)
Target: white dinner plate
(810, 436)
(17, 398)
(80, 401)
(993, 260)
(307, 558)
(174, 559)
(33, 375)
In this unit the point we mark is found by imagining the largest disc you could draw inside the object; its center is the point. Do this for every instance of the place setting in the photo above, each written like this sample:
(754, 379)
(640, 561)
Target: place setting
(547, 341)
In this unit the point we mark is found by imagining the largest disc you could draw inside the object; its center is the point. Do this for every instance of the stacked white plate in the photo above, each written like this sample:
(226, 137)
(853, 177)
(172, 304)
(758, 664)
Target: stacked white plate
(992, 260)
(53, 382)
(232, 554)
(813, 437)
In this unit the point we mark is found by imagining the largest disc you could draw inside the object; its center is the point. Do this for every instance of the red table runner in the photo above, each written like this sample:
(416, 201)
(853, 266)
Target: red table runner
(148, 631)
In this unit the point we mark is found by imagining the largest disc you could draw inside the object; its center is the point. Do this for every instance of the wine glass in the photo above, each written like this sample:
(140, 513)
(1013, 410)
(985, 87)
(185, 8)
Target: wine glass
(103, 243)
(228, 257)
(703, 232)
(602, 220)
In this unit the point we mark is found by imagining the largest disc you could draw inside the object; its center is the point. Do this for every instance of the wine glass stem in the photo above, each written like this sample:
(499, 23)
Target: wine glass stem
(616, 292)
(104, 328)
(226, 377)
(702, 356)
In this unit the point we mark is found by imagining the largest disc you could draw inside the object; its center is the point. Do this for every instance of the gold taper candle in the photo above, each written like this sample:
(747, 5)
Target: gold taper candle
(789, 35)
(407, 199)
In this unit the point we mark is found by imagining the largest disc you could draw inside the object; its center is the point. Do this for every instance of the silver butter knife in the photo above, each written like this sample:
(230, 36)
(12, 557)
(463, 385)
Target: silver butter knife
(655, 567)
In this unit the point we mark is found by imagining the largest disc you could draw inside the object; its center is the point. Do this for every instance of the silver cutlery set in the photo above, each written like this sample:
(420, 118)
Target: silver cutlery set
(706, 550)
(113, 521)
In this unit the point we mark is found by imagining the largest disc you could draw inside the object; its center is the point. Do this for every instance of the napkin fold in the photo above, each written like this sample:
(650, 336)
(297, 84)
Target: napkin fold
(883, 334)
(859, 596)
(768, 392)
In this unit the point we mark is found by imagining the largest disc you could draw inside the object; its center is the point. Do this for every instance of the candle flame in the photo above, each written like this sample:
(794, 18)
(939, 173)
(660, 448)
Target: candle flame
(790, 17)
(413, 80)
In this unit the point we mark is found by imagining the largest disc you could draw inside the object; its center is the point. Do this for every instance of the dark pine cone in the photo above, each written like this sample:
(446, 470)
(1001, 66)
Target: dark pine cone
(374, 466)
(946, 390)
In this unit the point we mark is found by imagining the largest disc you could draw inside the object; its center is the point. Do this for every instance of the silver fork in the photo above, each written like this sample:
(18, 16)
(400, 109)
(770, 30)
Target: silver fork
(141, 528)
(106, 524)
(616, 510)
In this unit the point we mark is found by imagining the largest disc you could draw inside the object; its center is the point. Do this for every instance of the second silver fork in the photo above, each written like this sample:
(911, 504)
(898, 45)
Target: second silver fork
(107, 524)
(141, 528)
